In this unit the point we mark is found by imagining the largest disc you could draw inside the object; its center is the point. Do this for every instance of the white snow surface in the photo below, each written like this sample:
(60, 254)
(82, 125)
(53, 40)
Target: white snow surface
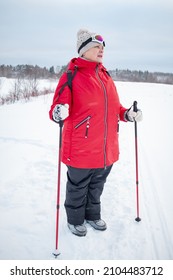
(28, 184)
(7, 85)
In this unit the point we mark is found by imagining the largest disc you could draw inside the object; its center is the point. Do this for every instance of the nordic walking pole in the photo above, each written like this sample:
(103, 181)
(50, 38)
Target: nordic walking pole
(138, 219)
(57, 253)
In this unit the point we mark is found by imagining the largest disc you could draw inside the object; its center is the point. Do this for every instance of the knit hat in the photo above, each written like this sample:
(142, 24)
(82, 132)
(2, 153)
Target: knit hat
(85, 41)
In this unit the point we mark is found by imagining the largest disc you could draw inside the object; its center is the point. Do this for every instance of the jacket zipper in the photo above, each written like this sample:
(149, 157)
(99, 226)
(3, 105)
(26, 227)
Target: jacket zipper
(105, 115)
(86, 120)
(118, 123)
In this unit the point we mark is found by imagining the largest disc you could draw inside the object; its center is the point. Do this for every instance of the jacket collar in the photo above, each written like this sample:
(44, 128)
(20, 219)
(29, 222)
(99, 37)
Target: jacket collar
(83, 63)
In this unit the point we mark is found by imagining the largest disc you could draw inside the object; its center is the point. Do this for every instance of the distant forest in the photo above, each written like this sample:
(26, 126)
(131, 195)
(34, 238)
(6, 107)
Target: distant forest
(26, 79)
(37, 72)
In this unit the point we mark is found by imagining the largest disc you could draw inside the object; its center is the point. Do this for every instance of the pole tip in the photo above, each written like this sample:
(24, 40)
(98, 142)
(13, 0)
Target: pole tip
(138, 219)
(56, 253)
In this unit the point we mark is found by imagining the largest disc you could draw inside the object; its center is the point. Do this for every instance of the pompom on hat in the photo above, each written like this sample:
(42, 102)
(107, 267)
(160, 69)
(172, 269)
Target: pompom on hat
(87, 40)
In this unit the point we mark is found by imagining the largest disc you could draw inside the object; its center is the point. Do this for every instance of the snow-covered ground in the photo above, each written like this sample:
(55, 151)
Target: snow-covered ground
(8, 85)
(28, 184)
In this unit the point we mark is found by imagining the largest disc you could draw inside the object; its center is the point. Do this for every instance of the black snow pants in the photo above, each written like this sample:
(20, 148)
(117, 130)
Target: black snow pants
(83, 191)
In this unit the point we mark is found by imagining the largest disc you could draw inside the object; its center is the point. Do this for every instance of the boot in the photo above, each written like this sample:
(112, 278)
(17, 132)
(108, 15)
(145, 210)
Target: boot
(98, 224)
(79, 230)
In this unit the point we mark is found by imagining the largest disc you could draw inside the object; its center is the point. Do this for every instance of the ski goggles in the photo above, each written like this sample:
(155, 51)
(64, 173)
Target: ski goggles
(97, 39)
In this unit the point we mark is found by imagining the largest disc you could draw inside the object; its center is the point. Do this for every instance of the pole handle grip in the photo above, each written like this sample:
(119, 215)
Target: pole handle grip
(61, 123)
(135, 109)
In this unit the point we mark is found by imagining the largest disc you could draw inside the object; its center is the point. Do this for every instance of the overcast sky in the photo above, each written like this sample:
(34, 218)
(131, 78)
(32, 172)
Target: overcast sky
(138, 33)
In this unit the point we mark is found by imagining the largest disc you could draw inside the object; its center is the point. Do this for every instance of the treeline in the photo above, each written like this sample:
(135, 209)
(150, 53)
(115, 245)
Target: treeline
(37, 72)
(139, 76)
(28, 71)
(26, 79)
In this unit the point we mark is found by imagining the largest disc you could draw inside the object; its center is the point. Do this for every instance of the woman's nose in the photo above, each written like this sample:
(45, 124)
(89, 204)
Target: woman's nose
(101, 47)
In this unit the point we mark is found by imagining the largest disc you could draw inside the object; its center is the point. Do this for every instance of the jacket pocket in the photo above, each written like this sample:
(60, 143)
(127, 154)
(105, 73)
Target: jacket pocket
(85, 122)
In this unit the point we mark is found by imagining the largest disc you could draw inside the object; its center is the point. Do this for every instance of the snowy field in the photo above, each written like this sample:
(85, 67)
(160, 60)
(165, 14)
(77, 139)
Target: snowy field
(8, 85)
(28, 184)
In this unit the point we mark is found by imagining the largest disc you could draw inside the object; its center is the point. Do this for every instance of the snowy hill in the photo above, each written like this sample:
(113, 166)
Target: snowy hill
(28, 184)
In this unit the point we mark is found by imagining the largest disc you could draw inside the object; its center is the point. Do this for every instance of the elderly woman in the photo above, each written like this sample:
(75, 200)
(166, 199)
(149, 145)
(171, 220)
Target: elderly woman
(91, 111)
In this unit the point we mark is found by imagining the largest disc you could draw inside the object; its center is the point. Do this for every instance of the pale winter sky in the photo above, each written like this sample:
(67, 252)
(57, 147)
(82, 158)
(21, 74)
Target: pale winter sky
(138, 33)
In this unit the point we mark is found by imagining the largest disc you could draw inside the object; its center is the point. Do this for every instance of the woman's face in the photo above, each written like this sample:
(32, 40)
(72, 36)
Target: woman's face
(95, 53)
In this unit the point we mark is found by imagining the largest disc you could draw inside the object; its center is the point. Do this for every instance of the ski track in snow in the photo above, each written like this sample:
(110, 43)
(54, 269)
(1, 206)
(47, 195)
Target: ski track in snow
(28, 178)
(157, 226)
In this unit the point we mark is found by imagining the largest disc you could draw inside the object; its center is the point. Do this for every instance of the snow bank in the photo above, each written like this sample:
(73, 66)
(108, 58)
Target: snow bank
(28, 179)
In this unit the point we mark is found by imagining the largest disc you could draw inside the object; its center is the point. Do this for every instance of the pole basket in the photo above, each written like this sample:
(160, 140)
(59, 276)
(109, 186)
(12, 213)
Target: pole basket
(56, 253)
(138, 219)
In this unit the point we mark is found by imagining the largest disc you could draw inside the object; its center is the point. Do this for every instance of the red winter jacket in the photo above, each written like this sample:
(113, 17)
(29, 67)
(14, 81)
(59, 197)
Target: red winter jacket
(90, 133)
